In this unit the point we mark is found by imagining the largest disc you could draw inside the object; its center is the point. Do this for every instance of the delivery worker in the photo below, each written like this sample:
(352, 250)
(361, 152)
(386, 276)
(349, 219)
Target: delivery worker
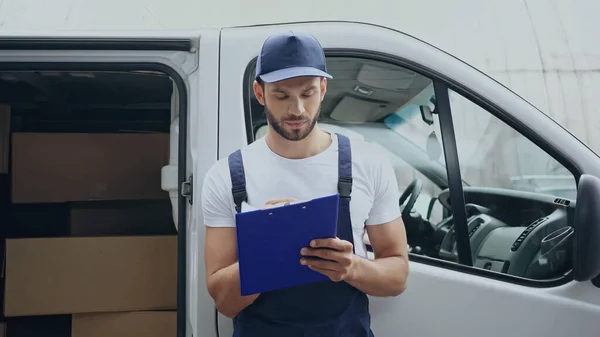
(298, 160)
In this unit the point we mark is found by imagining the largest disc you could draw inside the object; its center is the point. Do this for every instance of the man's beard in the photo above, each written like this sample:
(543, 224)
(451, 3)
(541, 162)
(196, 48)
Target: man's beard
(294, 135)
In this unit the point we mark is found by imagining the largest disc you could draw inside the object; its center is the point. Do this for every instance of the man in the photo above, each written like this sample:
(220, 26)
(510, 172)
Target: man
(298, 160)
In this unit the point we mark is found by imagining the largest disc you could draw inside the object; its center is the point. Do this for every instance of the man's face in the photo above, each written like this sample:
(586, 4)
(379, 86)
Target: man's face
(292, 106)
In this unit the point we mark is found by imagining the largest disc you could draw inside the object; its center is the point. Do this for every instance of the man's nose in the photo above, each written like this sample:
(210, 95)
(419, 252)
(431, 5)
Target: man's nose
(297, 108)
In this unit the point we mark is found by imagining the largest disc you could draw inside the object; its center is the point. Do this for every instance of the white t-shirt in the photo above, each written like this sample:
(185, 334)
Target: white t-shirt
(374, 198)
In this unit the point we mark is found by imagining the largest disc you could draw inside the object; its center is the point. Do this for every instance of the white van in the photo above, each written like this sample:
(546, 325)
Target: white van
(492, 252)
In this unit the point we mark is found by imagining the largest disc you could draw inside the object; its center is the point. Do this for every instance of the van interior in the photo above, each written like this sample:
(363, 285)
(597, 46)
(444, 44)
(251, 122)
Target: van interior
(89, 243)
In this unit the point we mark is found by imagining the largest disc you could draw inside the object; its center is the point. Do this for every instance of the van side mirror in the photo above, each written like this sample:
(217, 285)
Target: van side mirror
(586, 243)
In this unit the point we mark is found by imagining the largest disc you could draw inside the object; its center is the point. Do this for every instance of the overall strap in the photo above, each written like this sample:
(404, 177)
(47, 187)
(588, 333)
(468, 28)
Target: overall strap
(345, 189)
(238, 179)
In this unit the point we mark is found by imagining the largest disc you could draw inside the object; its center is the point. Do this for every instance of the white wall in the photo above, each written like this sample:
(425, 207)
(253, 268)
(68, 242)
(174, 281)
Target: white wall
(545, 50)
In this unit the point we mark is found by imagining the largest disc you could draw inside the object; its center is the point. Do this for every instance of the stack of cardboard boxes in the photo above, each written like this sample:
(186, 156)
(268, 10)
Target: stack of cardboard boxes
(89, 235)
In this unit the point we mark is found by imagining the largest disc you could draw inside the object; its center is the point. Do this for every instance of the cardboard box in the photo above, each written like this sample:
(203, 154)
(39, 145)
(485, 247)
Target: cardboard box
(153, 217)
(62, 167)
(4, 137)
(125, 324)
(46, 276)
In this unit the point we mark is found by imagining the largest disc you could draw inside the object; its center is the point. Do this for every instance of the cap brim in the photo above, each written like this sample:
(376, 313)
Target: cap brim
(284, 74)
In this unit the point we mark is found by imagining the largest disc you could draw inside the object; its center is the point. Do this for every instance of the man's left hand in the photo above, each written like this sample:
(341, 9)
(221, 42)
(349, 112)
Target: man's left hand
(339, 260)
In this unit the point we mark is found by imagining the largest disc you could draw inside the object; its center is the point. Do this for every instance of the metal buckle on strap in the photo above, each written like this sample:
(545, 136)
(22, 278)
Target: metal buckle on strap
(345, 186)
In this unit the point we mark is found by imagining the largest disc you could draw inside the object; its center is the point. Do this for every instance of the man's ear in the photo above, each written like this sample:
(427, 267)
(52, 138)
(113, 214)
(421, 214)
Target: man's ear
(259, 92)
(323, 88)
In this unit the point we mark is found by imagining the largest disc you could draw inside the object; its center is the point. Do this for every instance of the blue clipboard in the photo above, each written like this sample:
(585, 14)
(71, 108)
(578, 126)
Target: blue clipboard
(269, 243)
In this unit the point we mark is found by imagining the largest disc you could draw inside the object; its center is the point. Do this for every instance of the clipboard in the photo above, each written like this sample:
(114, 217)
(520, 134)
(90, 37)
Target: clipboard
(269, 243)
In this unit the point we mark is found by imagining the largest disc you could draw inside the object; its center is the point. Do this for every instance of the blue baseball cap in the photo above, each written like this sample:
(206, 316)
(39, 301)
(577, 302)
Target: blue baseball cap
(290, 54)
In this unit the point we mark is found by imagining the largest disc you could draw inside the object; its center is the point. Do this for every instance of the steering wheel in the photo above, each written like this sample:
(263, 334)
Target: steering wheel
(413, 190)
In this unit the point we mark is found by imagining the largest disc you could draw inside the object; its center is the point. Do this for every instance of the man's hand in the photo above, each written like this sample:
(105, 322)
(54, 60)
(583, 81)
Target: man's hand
(384, 276)
(337, 258)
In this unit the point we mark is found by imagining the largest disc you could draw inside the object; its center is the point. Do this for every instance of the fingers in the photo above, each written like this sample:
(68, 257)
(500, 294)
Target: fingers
(322, 265)
(335, 243)
(335, 264)
(280, 200)
(338, 257)
(334, 270)
(323, 253)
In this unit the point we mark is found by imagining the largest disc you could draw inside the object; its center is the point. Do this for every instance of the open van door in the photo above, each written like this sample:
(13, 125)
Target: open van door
(189, 59)
(489, 256)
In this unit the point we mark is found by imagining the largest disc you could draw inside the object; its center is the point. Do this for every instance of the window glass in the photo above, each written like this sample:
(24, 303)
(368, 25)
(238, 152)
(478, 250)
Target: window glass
(492, 154)
(517, 184)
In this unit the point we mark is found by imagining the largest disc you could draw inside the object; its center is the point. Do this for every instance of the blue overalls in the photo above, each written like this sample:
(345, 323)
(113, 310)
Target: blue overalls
(320, 309)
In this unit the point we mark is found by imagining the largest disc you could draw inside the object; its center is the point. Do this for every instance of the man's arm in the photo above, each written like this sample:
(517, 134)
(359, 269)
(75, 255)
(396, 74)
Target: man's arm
(387, 274)
(220, 251)
(223, 277)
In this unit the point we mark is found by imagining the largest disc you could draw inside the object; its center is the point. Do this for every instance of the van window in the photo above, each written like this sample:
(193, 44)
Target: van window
(524, 188)
(492, 154)
(396, 109)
